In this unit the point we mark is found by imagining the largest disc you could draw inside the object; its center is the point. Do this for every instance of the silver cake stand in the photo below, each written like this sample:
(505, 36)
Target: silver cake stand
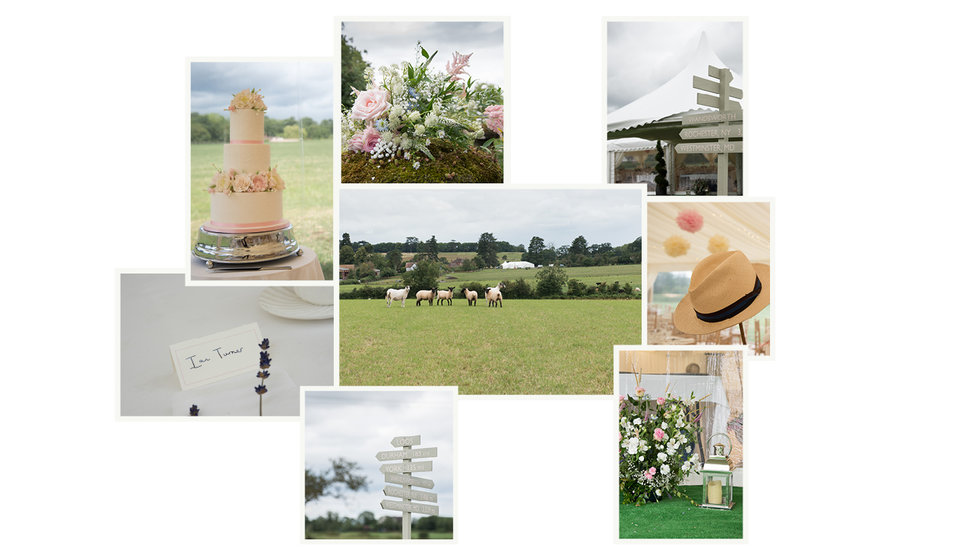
(232, 248)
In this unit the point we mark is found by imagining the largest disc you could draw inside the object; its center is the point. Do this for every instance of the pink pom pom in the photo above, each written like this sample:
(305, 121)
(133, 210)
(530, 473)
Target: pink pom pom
(690, 220)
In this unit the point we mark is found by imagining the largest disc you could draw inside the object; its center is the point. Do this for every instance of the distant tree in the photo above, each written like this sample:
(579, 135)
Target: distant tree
(487, 250)
(579, 246)
(534, 250)
(293, 131)
(200, 133)
(551, 281)
(431, 249)
(334, 482)
(411, 245)
(394, 258)
(367, 521)
(345, 240)
(478, 262)
(452, 246)
(361, 255)
(346, 254)
(424, 277)
(352, 67)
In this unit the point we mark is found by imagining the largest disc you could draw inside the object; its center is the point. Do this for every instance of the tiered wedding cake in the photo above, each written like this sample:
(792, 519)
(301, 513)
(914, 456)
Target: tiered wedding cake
(246, 194)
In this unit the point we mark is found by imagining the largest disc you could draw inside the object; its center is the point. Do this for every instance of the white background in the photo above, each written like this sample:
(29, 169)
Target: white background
(862, 122)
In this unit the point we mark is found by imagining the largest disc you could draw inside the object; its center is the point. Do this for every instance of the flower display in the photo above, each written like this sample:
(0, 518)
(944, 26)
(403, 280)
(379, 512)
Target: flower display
(264, 362)
(657, 439)
(232, 180)
(676, 246)
(247, 99)
(718, 244)
(690, 220)
(411, 105)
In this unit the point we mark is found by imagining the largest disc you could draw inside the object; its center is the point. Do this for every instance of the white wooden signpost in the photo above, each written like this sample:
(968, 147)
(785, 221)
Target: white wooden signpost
(728, 117)
(398, 473)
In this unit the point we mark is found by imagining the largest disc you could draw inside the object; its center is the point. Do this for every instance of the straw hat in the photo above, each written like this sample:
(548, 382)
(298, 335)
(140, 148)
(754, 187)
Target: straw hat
(725, 290)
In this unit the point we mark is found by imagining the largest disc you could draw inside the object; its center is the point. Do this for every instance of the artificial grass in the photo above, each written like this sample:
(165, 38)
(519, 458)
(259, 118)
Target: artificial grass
(676, 518)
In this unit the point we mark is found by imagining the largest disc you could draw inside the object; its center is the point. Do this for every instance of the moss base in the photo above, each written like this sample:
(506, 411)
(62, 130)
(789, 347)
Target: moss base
(452, 165)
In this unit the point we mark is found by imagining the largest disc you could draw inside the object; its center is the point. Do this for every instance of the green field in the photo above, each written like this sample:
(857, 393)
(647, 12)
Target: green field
(378, 535)
(676, 518)
(524, 347)
(621, 273)
(307, 201)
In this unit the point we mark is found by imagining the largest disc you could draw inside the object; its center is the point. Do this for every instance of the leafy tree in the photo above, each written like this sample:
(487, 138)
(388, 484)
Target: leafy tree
(576, 288)
(199, 133)
(411, 245)
(431, 249)
(394, 258)
(660, 169)
(293, 131)
(334, 482)
(579, 246)
(352, 67)
(346, 254)
(551, 281)
(487, 250)
(424, 277)
(345, 240)
(534, 250)
(361, 255)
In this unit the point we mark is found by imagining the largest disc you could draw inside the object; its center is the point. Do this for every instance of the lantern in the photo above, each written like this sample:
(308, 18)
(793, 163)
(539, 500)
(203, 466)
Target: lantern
(716, 477)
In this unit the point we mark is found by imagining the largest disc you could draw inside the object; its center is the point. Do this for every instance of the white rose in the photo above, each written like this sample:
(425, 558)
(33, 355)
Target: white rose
(662, 457)
(663, 425)
(637, 421)
(665, 469)
(632, 445)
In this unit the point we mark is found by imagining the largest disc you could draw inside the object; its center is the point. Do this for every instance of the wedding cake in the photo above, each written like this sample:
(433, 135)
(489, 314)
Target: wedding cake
(246, 193)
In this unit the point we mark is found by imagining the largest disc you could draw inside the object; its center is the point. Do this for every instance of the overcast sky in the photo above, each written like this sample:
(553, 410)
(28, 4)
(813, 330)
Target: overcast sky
(290, 88)
(389, 43)
(643, 55)
(605, 215)
(356, 425)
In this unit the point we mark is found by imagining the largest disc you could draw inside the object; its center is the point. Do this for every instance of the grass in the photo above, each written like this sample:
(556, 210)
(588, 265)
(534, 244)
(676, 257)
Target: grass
(676, 518)
(589, 274)
(377, 535)
(307, 201)
(524, 347)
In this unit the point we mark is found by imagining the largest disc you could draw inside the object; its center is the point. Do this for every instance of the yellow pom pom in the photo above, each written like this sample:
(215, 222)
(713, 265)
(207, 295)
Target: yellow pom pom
(718, 244)
(676, 246)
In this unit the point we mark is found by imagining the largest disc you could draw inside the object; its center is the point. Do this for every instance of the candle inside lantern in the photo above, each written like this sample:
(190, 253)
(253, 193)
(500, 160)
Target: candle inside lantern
(714, 492)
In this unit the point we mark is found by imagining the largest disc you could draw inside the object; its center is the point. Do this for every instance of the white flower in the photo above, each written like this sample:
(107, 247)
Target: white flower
(637, 421)
(662, 457)
(414, 116)
(642, 457)
(632, 444)
(671, 451)
(665, 469)
(419, 129)
(688, 450)
(416, 165)
(685, 467)
(663, 425)
(658, 492)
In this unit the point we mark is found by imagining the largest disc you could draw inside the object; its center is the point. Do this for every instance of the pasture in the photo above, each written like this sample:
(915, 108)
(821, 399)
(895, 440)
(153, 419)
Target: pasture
(306, 167)
(550, 347)
(621, 273)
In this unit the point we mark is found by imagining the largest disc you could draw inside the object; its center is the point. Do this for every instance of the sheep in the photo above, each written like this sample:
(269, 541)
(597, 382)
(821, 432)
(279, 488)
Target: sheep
(446, 295)
(494, 297)
(395, 295)
(471, 296)
(424, 295)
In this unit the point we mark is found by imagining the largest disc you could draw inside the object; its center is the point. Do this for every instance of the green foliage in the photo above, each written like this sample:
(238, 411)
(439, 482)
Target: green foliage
(551, 281)
(516, 289)
(450, 164)
(346, 254)
(334, 482)
(676, 518)
(661, 170)
(352, 67)
(424, 277)
(487, 250)
(576, 288)
(293, 131)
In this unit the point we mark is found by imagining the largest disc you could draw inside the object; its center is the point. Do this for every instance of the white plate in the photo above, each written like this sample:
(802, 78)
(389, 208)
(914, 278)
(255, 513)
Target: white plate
(283, 302)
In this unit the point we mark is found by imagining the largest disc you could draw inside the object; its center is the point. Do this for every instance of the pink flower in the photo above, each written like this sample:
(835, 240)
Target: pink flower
(640, 391)
(661, 400)
(652, 471)
(366, 140)
(458, 65)
(259, 183)
(648, 476)
(370, 104)
(495, 118)
(690, 220)
(659, 434)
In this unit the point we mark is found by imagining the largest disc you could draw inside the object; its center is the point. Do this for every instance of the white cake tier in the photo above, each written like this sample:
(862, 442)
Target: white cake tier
(247, 158)
(247, 125)
(246, 212)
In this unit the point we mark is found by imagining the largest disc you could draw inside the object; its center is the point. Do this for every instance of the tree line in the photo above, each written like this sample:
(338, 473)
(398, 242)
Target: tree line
(386, 259)
(366, 522)
(213, 127)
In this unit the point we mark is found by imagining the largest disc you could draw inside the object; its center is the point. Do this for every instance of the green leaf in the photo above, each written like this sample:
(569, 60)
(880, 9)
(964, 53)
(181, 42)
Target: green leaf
(425, 150)
(424, 53)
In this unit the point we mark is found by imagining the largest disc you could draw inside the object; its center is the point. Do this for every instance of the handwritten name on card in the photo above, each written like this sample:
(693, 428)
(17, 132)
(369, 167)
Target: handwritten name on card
(204, 360)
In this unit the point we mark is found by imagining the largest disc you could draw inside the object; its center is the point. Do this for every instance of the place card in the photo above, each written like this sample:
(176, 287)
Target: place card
(205, 360)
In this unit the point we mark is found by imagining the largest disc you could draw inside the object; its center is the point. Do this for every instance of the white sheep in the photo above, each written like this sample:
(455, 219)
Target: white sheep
(424, 295)
(445, 295)
(494, 297)
(395, 295)
(471, 296)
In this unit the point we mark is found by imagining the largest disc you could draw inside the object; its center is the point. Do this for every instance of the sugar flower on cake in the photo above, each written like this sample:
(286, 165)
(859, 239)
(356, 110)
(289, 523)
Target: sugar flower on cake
(247, 99)
(239, 182)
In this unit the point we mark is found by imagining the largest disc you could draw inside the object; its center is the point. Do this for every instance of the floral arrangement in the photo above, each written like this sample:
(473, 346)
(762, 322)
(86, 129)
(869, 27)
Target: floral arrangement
(264, 362)
(410, 106)
(718, 244)
(676, 246)
(247, 99)
(235, 181)
(690, 220)
(656, 441)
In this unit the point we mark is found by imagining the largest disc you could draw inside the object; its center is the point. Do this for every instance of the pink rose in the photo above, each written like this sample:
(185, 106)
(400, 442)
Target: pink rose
(652, 471)
(495, 118)
(366, 140)
(640, 391)
(259, 183)
(648, 476)
(659, 434)
(371, 104)
(661, 400)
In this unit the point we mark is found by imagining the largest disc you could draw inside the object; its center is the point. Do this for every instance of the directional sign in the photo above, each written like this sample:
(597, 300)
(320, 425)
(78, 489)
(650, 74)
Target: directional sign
(712, 117)
(410, 507)
(396, 492)
(714, 87)
(397, 478)
(712, 132)
(420, 453)
(715, 101)
(419, 466)
(710, 148)
(402, 441)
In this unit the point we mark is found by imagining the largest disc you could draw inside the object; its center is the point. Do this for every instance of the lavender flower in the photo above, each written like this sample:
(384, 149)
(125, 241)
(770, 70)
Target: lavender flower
(261, 390)
(194, 410)
(264, 344)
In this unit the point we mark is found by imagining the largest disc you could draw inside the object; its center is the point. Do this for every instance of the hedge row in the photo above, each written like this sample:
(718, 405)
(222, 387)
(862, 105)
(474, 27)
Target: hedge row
(513, 289)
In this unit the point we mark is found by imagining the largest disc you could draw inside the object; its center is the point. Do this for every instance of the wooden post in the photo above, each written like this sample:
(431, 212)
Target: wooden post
(400, 473)
(741, 332)
(724, 80)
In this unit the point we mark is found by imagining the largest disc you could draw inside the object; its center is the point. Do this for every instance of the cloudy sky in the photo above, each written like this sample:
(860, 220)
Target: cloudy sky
(291, 88)
(643, 55)
(556, 215)
(357, 424)
(392, 42)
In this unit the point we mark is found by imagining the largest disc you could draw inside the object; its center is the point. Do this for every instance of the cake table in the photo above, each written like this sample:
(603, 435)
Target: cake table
(305, 265)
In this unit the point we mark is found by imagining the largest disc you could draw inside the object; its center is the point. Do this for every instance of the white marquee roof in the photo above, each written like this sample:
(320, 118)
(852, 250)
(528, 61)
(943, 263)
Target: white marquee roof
(673, 98)
(744, 224)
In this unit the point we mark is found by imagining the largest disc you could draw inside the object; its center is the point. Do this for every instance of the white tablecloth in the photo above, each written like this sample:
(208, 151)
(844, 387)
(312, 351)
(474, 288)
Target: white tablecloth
(305, 267)
(157, 310)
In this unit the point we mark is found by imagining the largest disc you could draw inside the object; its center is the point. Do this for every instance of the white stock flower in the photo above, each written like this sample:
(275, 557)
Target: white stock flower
(637, 421)
(662, 457)
(663, 425)
(665, 469)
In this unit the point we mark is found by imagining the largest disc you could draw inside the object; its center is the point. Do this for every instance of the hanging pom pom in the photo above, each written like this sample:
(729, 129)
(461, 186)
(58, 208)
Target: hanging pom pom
(690, 220)
(718, 244)
(676, 246)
